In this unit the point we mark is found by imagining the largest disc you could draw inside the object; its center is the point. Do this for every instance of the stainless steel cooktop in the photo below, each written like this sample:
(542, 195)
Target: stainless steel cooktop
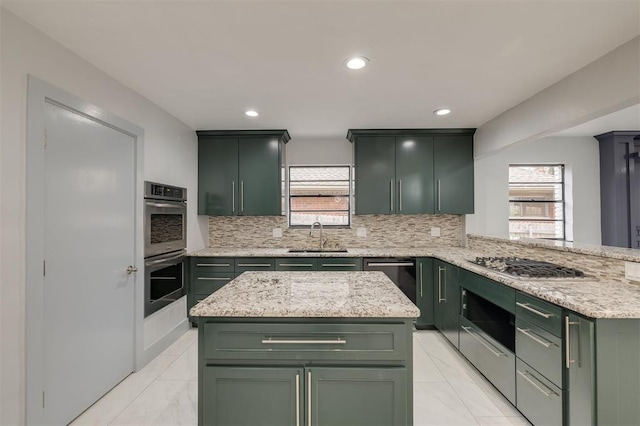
(526, 268)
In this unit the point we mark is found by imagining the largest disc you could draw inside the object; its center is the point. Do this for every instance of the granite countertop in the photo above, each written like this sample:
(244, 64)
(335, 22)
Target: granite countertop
(590, 297)
(308, 295)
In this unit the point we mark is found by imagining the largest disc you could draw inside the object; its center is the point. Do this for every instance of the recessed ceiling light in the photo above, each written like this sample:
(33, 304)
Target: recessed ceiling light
(442, 111)
(357, 62)
(251, 113)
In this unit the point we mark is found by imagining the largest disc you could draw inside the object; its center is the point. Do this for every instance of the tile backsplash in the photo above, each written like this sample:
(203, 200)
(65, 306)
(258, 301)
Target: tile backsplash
(381, 231)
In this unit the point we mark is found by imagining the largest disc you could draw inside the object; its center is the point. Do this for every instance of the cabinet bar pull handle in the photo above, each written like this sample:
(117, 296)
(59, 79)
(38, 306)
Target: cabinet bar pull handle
(421, 280)
(309, 398)
(567, 341)
(261, 265)
(438, 194)
(440, 299)
(233, 196)
(213, 265)
(335, 265)
(299, 265)
(241, 196)
(535, 311)
(304, 342)
(390, 263)
(391, 194)
(545, 390)
(213, 279)
(482, 341)
(297, 399)
(400, 194)
(534, 337)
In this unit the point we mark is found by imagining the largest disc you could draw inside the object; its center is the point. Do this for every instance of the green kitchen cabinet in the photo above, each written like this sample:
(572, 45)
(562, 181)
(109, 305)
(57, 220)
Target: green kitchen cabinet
(446, 300)
(453, 174)
(239, 172)
(329, 264)
(579, 361)
(424, 293)
(413, 171)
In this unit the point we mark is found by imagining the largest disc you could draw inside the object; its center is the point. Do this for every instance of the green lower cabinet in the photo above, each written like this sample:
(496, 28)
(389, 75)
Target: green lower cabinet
(446, 300)
(329, 264)
(537, 398)
(581, 371)
(258, 396)
(296, 264)
(356, 396)
(424, 293)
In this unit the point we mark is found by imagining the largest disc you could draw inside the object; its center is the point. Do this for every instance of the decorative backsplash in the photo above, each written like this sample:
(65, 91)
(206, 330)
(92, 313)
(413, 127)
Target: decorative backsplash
(382, 231)
(596, 266)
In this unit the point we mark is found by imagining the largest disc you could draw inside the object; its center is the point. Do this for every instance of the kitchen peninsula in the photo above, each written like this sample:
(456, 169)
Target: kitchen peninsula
(312, 348)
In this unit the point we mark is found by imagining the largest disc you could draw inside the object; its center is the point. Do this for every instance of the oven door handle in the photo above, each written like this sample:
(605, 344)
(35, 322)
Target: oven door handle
(166, 260)
(164, 205)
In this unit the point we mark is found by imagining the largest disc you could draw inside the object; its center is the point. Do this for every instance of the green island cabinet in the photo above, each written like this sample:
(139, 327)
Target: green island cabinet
(239, 172)
(413, 171)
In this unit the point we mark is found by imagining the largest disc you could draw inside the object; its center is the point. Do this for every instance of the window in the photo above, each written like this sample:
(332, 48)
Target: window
(536, 201)
(319, 194)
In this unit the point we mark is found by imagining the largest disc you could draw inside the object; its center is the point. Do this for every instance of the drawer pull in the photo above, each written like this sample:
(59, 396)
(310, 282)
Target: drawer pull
(303, 342)
(535, 311)
(534, 337)
(213, 279)
(255, 265)
(390, 263)
(338, 265)
(297, 265)
(543, 389)
(213, 265)
(484, 343)
(309, 398)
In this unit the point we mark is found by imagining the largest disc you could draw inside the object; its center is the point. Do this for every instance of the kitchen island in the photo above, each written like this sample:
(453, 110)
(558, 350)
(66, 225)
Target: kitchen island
(306, 348)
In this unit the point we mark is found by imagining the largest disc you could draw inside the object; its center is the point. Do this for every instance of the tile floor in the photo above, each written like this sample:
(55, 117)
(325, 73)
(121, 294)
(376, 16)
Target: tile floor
(447, 390)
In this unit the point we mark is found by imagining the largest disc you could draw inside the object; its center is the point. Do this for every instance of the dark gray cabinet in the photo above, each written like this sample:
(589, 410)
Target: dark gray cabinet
(413, 171)
(424, 293)
(446, 300)
(580, 367)
(239, 172)
(326, 264)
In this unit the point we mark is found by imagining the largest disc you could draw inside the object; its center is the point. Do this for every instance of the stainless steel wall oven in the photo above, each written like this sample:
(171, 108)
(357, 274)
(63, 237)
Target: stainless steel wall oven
(165, 235)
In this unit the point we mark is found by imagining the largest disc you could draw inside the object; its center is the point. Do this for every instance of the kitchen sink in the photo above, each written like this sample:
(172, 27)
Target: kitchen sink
(317, 251)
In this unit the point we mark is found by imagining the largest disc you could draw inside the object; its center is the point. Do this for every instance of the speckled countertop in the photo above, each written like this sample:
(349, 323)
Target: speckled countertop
(308, 295)
(595, 299)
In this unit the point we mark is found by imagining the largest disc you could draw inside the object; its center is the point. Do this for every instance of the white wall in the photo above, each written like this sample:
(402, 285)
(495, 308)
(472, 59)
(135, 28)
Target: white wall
(170, 156)
(608, 84)
(319, 151)
(580, 156)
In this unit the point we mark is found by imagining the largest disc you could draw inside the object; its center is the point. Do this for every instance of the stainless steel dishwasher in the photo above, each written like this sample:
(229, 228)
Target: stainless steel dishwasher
(400, 270)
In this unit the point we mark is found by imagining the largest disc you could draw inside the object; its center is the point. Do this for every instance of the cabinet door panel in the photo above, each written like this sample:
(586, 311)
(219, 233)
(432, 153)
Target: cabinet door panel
(375, 171)
(259, 174)
(424, 296)
(414, 175)
(453, 170)
(340, 264)
(251, 396)
(357, 396)
(217, 176)
(581, 374)
(451, 312)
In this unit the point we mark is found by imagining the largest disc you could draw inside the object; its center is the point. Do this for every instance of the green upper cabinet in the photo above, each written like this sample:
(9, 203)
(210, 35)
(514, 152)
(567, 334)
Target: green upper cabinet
(413, 171)
(453, 174)
(239, 172)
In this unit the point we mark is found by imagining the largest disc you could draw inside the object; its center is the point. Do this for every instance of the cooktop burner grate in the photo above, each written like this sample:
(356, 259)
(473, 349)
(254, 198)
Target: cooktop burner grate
(520, 267)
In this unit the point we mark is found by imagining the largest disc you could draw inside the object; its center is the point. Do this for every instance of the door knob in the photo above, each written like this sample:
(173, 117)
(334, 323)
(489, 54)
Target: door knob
(131, 269)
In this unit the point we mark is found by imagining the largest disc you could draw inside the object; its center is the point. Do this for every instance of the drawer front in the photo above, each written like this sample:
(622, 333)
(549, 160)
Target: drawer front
(540, 349)
(207, 265)
(305, 342)
(538, 399)
(208, 283)
(339, 264)
(538, 312)
(244, 264)
(296, 264)
(498, 294)
(493, 360)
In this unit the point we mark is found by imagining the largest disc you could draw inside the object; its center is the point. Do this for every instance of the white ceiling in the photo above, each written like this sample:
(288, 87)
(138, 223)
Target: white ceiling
(205, 62)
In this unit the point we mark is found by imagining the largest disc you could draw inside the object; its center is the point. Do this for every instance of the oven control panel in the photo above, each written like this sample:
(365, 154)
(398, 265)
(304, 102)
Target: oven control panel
(160, 191)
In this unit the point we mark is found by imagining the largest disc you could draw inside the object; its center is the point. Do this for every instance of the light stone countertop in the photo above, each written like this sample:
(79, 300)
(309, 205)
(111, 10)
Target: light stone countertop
(308, 295)
(590, 297)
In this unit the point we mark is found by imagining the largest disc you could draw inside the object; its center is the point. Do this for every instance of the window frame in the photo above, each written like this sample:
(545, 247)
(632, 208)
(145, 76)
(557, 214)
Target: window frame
(350, 196)
(562, 184)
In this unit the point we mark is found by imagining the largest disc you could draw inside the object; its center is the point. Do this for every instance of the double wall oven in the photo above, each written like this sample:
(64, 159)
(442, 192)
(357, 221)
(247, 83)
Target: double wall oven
(165, 243)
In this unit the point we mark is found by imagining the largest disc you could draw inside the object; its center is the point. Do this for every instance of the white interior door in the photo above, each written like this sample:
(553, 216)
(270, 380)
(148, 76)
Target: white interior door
(89, 236)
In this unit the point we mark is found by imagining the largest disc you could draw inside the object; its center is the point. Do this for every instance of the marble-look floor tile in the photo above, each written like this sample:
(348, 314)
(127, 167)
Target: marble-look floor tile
(183, 368)
(503, 421)
(116, 400)
(183, 343)
(163, 403)
(424, 369)
(479, 403)
(437, 404)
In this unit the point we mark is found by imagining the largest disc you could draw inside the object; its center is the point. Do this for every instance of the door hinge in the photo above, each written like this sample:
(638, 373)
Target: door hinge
(42, 399)
(44, 268)
(45, 138)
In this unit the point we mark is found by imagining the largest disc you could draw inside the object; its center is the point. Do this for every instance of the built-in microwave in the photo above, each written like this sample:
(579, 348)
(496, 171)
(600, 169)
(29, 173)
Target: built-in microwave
(165, 220)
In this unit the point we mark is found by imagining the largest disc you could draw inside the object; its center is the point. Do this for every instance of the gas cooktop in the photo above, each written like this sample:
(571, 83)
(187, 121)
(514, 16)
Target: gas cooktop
(526, 268)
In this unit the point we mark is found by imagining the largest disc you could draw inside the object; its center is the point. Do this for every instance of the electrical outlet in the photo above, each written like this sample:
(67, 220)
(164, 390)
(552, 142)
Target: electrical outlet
(361, 232)
(632, 271)
(277, 232)
(435, 232)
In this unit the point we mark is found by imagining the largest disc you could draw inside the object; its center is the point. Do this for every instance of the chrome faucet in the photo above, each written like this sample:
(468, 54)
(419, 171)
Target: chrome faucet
(311, 230)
